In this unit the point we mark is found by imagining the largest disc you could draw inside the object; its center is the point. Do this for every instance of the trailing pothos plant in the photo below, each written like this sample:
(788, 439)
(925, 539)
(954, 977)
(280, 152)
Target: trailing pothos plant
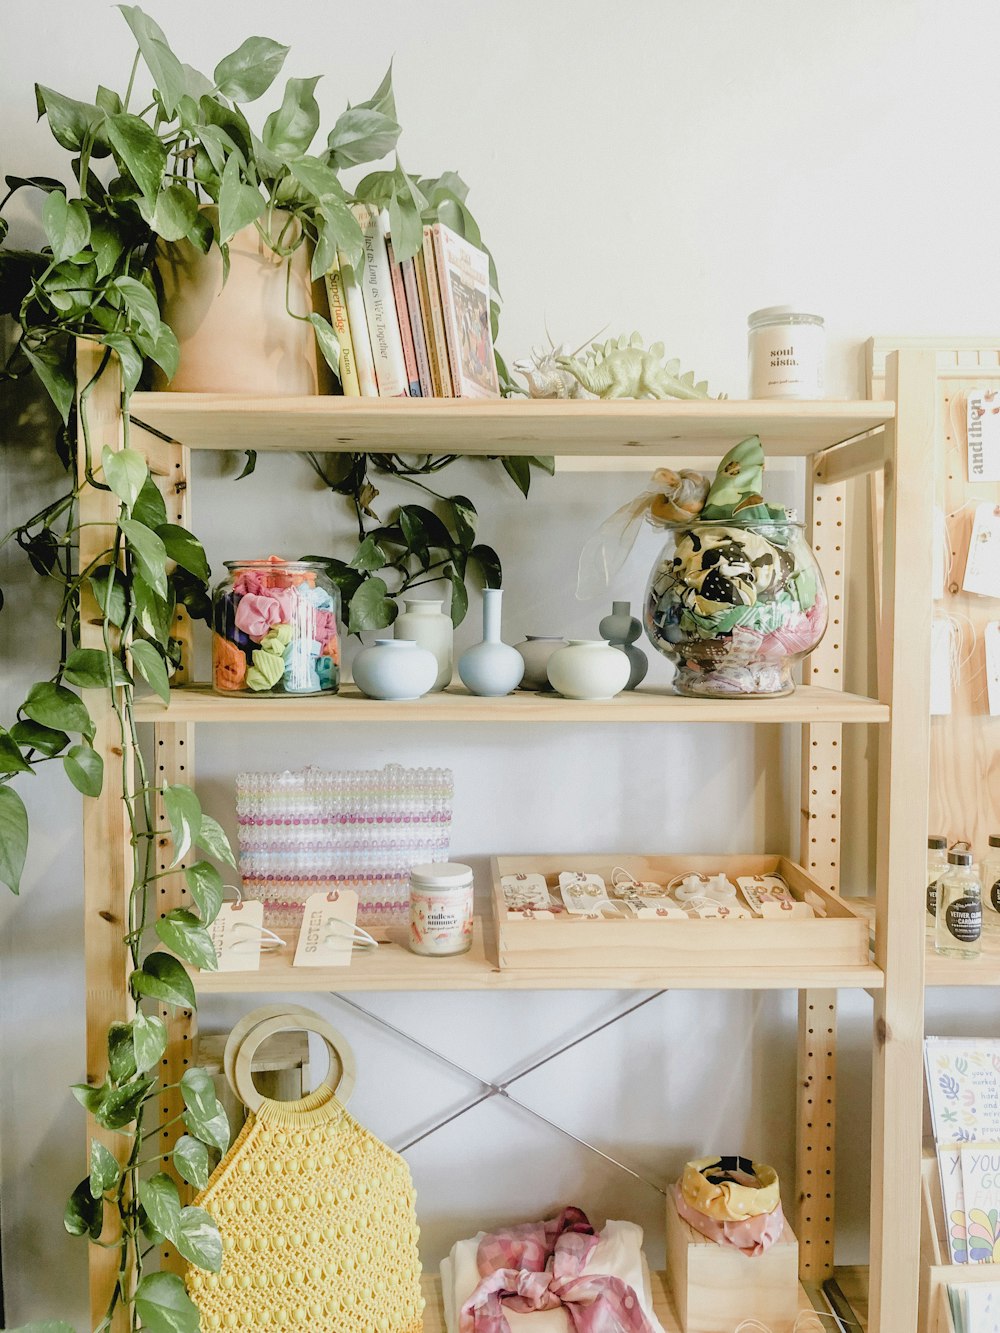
(185, 166)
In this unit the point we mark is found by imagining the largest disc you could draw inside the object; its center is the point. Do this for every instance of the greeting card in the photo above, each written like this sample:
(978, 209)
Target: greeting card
(981, 1190)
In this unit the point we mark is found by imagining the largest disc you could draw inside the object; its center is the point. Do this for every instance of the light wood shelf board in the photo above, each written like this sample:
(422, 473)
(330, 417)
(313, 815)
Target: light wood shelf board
(940, 970)
(198, 703)
(662, 1306)
(393, 968)
(503, 426)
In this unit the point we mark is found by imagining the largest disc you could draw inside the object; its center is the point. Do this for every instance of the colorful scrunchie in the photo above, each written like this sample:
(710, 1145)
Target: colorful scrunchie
(515, 1269)
(751, 1236)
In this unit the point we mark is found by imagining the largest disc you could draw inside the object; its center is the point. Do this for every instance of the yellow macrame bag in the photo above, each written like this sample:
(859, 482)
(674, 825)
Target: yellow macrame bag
(317, 1215)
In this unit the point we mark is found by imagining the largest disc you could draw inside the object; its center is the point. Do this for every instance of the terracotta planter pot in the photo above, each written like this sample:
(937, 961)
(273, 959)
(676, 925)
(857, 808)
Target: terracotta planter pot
(239, 338)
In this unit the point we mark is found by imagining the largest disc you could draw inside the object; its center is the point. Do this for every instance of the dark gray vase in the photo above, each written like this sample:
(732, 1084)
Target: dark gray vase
(621, 629)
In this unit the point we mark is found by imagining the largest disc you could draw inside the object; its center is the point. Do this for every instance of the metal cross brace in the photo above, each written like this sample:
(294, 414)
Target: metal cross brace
(491, 1089)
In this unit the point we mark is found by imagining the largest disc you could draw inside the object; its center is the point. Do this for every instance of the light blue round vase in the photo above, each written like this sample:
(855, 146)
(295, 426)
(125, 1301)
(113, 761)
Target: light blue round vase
(395, 669)
(491, 668)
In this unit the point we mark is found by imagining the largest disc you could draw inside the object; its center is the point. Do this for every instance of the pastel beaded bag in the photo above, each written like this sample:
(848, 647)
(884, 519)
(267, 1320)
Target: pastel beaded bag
(317, 1215)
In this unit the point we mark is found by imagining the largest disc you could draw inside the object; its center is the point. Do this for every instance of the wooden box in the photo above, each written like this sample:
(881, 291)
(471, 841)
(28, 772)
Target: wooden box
(837, 936)
(715, 1287)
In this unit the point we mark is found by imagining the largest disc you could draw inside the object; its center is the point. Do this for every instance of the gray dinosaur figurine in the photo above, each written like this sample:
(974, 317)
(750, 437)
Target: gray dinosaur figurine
(625, 369)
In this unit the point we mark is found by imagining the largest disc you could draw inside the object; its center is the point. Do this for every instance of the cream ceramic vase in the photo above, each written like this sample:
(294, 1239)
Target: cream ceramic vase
(238, 337)
(588, 669)
(425, 622)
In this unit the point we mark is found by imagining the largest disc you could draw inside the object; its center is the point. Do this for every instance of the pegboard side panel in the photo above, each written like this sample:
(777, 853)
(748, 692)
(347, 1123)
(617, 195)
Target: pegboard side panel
(822, 745)
(816, 1127)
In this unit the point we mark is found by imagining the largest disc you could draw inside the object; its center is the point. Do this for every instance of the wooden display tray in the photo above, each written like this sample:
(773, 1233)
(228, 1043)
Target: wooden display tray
(838, 935)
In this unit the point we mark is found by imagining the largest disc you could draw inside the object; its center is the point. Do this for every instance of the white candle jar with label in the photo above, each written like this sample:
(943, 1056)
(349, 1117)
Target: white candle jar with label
(441, 909)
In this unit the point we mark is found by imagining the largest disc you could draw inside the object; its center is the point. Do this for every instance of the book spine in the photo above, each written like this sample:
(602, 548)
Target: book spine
(349, 381)
(358, 322)
(417, 327)
(423, 291)
(380, 307)
(437, 321)
(449, 315)
(403, 315)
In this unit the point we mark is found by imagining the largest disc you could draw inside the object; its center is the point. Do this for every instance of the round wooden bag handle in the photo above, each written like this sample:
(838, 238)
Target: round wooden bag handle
(249, 1021)
(342, 1073)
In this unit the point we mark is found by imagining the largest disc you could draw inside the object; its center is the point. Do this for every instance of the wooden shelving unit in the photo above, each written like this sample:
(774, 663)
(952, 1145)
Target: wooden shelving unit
(840, 440)
(810, 704)
(393, 967)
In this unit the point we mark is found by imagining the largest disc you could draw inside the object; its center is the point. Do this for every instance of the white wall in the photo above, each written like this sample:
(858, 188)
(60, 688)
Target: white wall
(663, 166)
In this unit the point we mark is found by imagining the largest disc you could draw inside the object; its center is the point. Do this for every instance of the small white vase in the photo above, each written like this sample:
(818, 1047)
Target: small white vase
(426, 624)
(395, 669)
(492, 668)
(588, 669)
(535, 653)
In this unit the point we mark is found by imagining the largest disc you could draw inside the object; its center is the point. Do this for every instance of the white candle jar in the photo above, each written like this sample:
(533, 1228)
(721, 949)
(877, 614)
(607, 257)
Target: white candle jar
(441, 909)
(787, 350)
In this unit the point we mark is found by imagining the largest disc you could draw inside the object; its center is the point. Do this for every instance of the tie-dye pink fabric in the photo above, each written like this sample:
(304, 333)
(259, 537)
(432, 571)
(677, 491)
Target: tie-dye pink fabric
(538, 1266)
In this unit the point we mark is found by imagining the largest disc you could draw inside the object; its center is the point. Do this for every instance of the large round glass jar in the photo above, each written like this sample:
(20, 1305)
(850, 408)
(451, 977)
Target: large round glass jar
(734, 604)
(275, 629)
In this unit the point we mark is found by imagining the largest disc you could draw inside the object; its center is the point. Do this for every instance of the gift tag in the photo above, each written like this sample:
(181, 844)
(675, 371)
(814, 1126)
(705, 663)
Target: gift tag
(584, 894)
(654, 909)
(236, 936)
(526, 892)
(768, 896)
(983, 428)
(982, 567)
(991, 641)
(328, 924)
(702, 906)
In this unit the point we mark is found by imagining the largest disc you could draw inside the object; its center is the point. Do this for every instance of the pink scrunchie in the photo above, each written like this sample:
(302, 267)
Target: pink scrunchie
(258, 612)
(751, 1235)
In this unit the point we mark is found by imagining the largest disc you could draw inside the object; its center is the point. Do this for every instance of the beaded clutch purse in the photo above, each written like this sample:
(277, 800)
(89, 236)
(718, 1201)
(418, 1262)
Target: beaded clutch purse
(317, 1215)
(314, 831)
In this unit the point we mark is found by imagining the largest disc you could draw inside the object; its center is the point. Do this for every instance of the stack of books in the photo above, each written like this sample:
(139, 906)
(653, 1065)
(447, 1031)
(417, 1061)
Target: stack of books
(417, 329)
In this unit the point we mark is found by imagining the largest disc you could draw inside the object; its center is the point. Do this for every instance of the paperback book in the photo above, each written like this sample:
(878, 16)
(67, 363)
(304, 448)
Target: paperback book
(963, 1088)
(380, 305)
(464, 278)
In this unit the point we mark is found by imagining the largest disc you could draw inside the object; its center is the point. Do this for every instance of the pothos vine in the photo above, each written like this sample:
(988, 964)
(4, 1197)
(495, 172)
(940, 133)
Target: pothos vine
(95, 278)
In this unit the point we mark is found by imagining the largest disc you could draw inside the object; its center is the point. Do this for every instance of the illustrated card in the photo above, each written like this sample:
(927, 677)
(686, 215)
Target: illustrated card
(981, 1191)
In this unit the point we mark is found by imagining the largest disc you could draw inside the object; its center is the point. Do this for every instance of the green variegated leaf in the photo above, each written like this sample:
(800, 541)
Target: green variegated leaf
(121, 1053)
(67, 225)
(138, 151)
(147, 661)
(183, 932)
(84, 1215)
(89, 669)
(250, 70)
(144, 311)
(184, 813)
(205, 887)
(85, 769)
(149, 552)
(185, 550)
(125, 470)
(290, 130)
(120, 1106)
(164, 1306)
(149, 508)
(149, 1041)
(159, 1197)
(55, 706)
(191, 1161)
(211, 838)
(162, 977)
(11, 758)
(198, 1239)
(105, 1172)
(33, 736)
(239, 204)
(371, 607)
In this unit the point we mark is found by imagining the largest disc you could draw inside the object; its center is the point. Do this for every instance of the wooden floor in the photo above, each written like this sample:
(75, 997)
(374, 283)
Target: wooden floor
(434, 1314)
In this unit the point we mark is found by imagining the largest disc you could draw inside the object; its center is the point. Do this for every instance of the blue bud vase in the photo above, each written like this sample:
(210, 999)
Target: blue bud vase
(621, 629)
(491, 668)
